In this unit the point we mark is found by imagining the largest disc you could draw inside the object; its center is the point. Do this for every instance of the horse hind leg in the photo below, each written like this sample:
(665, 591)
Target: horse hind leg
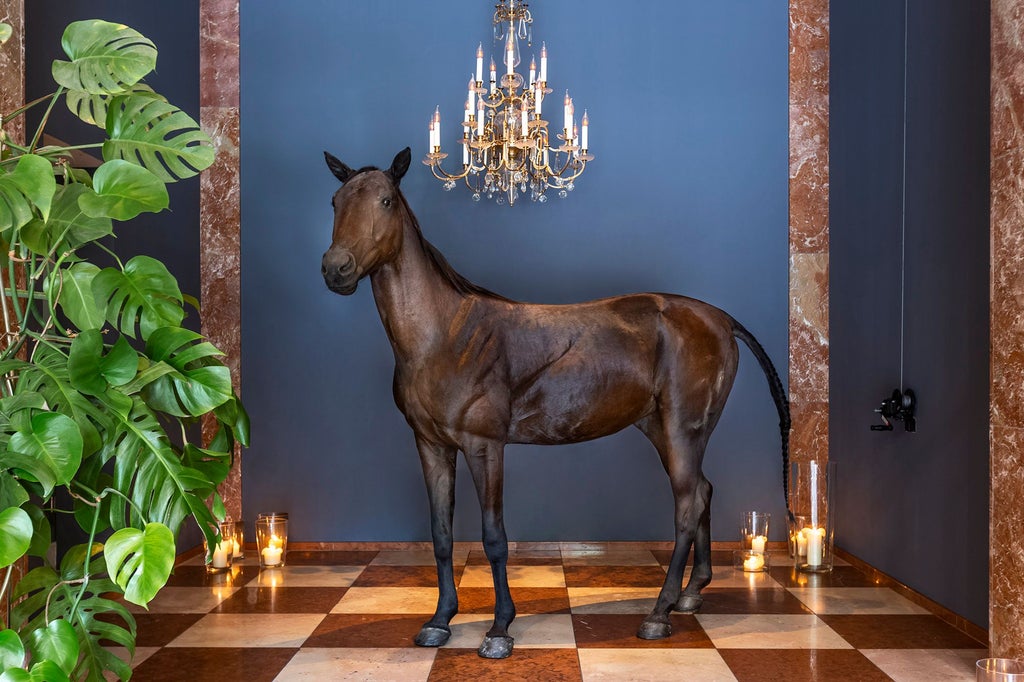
(691, 600)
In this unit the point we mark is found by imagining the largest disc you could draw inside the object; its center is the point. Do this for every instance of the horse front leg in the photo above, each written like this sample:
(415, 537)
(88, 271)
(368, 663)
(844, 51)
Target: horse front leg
(485, 461)
(439, 474)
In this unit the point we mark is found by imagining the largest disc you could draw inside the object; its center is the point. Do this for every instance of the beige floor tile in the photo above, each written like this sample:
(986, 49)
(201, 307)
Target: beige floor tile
(186, 599)
(388, 600)
(925, 665)
(249, 630)
(727, 576)
(416, 557)
(744, 631)
(614, 557)
(855, 600)
(409, 665)
(518, 576)
(612, 599)
(546, 631)
(306, 576)
(656, 665)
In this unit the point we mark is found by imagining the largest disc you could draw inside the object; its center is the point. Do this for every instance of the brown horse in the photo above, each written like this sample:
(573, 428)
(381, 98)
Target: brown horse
(474, 371)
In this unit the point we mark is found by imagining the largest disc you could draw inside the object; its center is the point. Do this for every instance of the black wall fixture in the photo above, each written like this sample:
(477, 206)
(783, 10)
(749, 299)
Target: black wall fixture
(900, 406)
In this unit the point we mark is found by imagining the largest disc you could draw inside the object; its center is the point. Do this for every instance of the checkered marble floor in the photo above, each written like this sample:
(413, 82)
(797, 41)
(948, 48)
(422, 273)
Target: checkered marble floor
(351, 615)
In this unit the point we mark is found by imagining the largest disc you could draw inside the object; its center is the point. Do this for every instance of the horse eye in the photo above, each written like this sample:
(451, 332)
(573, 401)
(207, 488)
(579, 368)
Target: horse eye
(387, 203)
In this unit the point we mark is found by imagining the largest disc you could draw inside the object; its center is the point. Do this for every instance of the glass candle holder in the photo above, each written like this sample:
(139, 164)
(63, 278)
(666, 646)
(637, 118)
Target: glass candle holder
(237, 540)
(751, 561)
(218, 560)
(1000, 669)
(812, 489)
(272, 539)
(754, 530)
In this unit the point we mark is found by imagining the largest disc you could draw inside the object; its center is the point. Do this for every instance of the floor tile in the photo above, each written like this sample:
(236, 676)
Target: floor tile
(282, 600)
(366, 630)
(613, 599)
(400, 576)
(618, 631)
(538, 630)
(279, 630)
(422, 600)
(614, 576)
(527, 600)
(729, 577)
(141, 654)
(647, 665)
(839, 576)
(630, 557)
(213, 665)
(899, 632)
(719, 557)
(185, 600)
(550, 665)
(520, 557)
(784, 631)
(158, 629)
(306, 576)
(518, 576)
(198, 576)
(329, 558)
(801, 665)
(921, 665)
(410, 665)
(760, 600)
(855, 600)
(416, 557)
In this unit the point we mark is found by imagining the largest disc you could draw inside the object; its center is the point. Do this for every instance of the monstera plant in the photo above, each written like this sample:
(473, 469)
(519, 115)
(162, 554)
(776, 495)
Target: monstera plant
(99, 380)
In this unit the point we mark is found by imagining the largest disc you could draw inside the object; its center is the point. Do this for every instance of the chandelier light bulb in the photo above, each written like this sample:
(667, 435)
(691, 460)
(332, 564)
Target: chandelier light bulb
(543, 63)
(480, 63)
(533, 71)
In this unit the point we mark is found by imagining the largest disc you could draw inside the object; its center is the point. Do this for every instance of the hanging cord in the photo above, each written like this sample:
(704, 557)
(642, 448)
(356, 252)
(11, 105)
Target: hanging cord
(903, 206)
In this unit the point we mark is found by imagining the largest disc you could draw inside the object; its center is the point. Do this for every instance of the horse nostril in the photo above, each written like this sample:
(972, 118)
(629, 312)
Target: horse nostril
(348, 265)
(323, 269)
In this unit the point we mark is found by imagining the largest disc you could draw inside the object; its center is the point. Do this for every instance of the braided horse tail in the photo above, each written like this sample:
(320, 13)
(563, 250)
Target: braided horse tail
(778, 395)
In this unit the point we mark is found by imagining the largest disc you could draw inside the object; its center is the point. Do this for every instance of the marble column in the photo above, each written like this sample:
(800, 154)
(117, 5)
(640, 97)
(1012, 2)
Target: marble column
(220, 203)
(1006, 399)
(12, 96)
(808, 227)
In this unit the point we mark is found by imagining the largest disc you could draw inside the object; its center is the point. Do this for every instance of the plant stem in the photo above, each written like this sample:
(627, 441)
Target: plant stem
(22, 109)
(85, 567)
(46, 118)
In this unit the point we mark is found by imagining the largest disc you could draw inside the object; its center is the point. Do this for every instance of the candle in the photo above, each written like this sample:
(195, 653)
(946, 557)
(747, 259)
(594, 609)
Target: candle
(275, 542)
(567, 112)
(471, 98)
(755, 562)
(221, 554)
(538, 97)
(543, 63)
(465, 113)
(271, 556)
(525, 112)
(533, 71)
(480, 117)
(437, 128)
(801, 543)
(583, 144)
(236, 548)
(465, 149)
(757, 544)
(480, 62)
(510, 53)
(815, 546)
(494, 76)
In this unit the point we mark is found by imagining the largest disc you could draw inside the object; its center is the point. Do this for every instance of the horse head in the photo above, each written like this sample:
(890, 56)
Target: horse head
(368, 219)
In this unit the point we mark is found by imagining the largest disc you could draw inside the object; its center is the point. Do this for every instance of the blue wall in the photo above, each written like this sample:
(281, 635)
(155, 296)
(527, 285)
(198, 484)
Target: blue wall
(688, 108)
(915, 505)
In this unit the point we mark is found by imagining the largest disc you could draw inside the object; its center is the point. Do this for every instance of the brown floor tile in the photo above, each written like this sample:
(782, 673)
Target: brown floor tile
(213, 665)
(525, 557)
(798, 665)
(614, 576)
(329, 558)
(761, 600)
(401, 576)
(899, 632)
(618, 631)
(198, 576)
(527, 600)
(157, 629)
(839, 576)
(524, 665)
(719, 557)
(366, 631)
(282, 600)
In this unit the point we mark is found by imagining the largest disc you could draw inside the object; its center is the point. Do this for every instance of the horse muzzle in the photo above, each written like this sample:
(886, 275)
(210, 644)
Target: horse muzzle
(340, 272)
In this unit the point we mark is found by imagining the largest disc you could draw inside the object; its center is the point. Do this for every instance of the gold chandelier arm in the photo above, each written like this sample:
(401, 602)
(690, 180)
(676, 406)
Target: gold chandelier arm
(441, 173)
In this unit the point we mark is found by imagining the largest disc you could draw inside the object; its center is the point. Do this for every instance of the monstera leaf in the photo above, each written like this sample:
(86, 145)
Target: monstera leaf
(196, 385)
(30, 185)
(15, 535)
(123, 190)
(140, 561)
(93, 108)
(53, 440)
(68, 225)
(143, 294)
(90, 371)
(76, 296)
(56, 642)
(106, 58)
(156, 135)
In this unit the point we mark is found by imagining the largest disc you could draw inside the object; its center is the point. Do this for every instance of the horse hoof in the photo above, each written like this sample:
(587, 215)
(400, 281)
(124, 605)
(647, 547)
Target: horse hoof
(496, 647)
(652, 629)
(431, 635)
(689, 603)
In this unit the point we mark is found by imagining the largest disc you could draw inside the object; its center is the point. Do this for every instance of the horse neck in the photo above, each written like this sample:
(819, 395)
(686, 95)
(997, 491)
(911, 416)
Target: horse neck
(414, 299)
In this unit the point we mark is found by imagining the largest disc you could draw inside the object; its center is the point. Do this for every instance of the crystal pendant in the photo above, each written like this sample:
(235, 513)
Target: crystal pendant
(476, 196)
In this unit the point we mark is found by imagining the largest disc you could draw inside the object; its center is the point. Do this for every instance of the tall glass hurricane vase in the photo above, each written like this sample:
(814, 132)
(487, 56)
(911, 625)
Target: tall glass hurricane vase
(813, 530)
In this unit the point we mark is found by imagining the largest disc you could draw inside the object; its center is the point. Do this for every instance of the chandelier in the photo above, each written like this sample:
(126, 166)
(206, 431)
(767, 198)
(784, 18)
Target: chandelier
(507, 148)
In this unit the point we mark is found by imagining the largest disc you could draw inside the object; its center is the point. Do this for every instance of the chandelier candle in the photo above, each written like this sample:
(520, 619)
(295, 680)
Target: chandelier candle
(507, 149)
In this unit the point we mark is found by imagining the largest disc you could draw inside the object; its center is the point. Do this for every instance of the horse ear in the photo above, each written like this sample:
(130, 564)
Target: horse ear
(340, 170)
(400, 165)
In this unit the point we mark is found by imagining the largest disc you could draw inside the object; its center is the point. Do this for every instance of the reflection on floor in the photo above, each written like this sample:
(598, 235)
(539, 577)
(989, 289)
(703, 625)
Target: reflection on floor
(351, 615)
